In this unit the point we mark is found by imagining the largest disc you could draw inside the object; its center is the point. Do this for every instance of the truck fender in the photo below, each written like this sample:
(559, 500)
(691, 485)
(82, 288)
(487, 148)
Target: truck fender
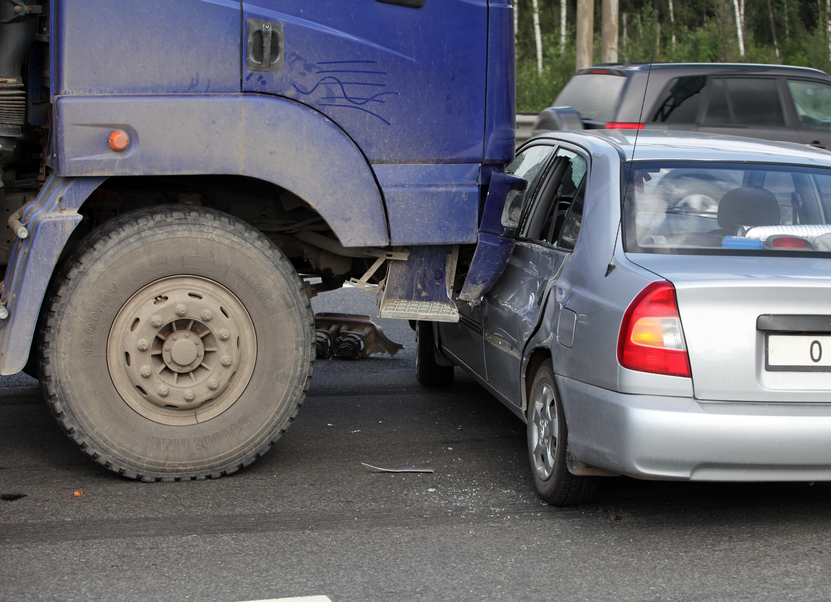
(50, 219)
(266, 137)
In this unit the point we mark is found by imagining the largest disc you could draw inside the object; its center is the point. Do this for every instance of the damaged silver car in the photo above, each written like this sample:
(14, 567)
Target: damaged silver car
(665, 312)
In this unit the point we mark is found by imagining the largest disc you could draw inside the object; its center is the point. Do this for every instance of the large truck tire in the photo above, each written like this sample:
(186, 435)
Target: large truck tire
(178, 344)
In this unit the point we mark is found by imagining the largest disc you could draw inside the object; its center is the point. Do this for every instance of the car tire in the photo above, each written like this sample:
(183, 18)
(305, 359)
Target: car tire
(178, 344)
(547, 445)
(428, 371)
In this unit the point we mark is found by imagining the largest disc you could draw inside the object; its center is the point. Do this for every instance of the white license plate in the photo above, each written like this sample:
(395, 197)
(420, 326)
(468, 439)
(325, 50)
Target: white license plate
(798, 353)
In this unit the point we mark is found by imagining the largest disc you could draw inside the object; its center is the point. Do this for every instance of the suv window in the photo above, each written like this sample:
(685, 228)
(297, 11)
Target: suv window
(680, 100)
(744, 101)
(593, 95)
(813, 104)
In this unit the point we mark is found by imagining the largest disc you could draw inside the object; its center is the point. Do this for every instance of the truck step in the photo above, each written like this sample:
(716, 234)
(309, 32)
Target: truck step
(432, 311)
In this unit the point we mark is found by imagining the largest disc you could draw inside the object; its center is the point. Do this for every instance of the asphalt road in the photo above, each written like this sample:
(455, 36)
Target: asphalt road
(309, 520)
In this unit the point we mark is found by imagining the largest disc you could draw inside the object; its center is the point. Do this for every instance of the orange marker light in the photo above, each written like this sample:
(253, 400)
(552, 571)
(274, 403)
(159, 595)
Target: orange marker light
(118, 140)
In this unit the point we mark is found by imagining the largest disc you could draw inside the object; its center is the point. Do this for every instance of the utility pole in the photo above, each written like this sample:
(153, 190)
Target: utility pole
(609, 32)
(585, 33)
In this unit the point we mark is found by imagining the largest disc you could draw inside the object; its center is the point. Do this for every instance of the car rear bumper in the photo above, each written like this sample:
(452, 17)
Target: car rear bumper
(655, 437)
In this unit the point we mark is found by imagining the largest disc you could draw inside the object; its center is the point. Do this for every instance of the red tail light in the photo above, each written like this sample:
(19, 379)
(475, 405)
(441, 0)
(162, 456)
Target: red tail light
(789, 242)
(623, 125)
(651, 338)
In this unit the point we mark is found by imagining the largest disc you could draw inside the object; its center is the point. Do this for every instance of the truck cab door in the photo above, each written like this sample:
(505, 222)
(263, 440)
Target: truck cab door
(406, 79)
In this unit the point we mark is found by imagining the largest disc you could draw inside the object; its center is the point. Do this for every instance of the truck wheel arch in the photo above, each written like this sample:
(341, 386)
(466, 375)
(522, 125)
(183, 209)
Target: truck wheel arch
(266, 137)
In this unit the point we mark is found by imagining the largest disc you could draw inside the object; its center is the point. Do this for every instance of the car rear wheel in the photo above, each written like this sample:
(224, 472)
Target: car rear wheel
(547, 445)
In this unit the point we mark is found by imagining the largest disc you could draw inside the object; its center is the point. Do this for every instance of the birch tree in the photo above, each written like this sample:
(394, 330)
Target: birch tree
(738, 6)
(535, 8)
(672, 22)
(562, 27)
(773, 29)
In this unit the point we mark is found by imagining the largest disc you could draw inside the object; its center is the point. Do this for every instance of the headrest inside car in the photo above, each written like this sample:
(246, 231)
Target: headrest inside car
(748, 207)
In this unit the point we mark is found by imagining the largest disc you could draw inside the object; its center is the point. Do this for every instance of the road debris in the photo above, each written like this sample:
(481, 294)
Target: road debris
(78, 493)
(399, 469)
(350, 337)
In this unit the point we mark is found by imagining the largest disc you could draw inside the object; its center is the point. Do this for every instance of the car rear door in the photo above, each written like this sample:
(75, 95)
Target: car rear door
(464, 340)
(513, 307)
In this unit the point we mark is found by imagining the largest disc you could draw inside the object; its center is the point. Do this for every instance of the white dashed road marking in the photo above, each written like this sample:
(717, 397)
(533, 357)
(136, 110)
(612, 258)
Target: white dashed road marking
(300, 599)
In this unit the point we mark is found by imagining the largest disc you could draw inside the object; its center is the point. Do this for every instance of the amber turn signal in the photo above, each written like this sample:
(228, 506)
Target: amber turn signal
(118, 140)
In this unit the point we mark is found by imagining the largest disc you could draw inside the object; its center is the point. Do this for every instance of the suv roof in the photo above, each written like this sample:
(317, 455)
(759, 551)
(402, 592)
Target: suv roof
(773, 102)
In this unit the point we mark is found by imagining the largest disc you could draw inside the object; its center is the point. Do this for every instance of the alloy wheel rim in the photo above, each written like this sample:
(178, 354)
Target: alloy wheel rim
(544, 431)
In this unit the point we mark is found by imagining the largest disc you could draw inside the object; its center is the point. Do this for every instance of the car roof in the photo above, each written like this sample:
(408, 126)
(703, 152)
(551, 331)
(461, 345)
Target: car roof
(624, 68)
(661, 145)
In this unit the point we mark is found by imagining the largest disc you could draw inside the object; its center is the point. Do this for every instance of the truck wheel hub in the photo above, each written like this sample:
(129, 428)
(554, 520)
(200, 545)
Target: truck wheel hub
(181, 350)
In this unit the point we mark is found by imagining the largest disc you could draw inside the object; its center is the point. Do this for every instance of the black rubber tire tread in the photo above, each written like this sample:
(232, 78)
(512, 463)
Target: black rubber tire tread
(428, 372)
(562, 488)
(130, 239)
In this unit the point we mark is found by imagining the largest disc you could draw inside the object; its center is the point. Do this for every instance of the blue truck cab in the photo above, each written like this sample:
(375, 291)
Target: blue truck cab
(182, 175)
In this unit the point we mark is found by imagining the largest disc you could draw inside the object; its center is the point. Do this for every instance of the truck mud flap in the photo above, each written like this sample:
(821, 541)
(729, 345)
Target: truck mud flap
(49, 221)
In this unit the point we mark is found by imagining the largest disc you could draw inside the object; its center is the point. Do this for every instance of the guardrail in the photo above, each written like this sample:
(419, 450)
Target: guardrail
(524, 125)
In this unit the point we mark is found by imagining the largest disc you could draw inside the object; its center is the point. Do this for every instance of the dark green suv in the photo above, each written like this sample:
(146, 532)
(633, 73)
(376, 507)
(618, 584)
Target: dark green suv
(771, 102)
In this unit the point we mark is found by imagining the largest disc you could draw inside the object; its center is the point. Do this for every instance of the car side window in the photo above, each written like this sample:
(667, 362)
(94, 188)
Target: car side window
(680, 100)
(812, 101)
(744, 101)
(555, 218)
(526, 165)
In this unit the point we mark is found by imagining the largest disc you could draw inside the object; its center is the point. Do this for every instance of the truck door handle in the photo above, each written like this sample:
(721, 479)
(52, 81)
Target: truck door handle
(264, 45)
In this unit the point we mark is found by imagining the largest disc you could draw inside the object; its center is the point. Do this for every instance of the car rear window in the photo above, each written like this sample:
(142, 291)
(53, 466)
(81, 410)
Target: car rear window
(725, 208)
(595, 96)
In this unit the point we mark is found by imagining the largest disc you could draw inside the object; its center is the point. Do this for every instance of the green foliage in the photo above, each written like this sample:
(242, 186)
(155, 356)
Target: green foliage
(705, 31)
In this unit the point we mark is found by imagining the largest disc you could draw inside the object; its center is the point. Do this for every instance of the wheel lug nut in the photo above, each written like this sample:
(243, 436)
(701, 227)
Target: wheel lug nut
(224, 334)
(143, 345)
(226, 361)
(187, 335)
(156, 321)
(145, 371)
(207, 315)
(181, 310)
(163, 391)
(213, 384)
(189, 395)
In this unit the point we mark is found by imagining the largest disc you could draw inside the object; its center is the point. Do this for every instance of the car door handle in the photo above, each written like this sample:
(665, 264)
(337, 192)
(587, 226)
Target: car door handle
(264, 45)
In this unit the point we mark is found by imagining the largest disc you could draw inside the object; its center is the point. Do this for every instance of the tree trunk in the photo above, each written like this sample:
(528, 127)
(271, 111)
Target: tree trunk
(585, 33)
(672, 23)
(739, 26)
(535, 7)
(563, 4)
(516, 21)
(608, 32)
(657, 43)
(773, 29)
(625, 35)
(828, 24)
